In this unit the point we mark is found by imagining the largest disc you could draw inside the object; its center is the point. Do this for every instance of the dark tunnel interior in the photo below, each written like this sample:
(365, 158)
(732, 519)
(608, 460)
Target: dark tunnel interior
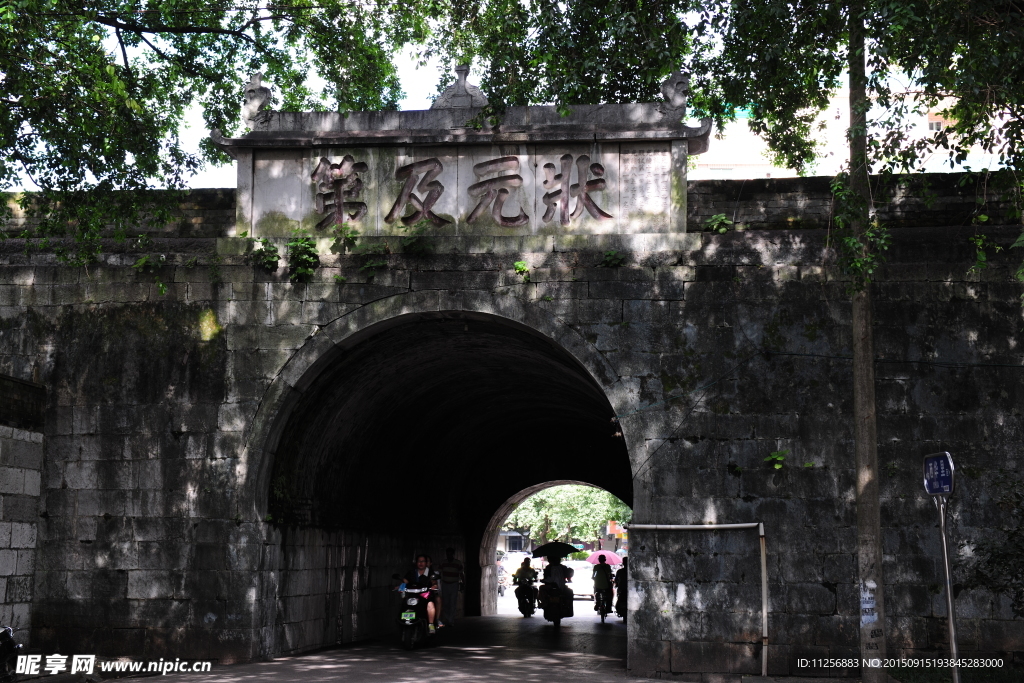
(428, 426)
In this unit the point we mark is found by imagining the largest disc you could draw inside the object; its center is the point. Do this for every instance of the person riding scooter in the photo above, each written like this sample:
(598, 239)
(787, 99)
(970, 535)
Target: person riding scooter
(524, 579)
(420, 576)
(556, 576)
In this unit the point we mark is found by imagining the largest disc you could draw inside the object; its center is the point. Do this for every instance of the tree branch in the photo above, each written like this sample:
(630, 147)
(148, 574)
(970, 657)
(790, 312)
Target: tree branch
(163, 55)
(160, 28)
(124, 55)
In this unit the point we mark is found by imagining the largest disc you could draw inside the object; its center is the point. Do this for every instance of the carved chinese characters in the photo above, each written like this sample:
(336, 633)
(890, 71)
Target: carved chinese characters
(336, 183)
(498, 190)
(558, 200)
(426, 172)
(643, 195)
(495, 191)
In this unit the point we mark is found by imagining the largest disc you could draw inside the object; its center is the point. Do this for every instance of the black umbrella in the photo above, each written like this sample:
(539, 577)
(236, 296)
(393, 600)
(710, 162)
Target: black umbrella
(555, 549)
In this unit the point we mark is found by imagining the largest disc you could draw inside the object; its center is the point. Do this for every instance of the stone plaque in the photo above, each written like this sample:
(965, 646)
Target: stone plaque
(644, 186)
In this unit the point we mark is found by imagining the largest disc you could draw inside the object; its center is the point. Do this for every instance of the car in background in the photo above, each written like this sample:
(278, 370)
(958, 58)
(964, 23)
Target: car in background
(582, 583)
(512, 560)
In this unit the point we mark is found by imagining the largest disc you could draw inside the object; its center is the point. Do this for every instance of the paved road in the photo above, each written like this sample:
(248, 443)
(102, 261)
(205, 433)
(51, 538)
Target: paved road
(499, 648)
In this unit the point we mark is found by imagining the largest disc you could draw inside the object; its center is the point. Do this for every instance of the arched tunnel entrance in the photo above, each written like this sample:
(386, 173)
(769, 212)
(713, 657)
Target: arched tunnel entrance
(488, 546)
(411, 439)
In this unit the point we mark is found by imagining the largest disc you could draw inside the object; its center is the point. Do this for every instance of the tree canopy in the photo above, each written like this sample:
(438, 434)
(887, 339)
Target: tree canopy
(94, 94)
(566, 513)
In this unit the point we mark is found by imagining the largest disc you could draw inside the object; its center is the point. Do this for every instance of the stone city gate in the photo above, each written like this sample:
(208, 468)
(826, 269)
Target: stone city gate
(215, 459)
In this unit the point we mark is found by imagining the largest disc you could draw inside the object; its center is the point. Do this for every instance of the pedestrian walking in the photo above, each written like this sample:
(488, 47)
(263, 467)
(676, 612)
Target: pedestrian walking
(453, 575)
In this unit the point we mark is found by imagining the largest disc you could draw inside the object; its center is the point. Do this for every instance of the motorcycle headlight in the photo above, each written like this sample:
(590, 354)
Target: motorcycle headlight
(411, 601)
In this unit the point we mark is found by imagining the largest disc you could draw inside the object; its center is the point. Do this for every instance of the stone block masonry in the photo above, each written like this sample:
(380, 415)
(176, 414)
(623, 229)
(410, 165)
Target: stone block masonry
(21, 460)
(151, 502)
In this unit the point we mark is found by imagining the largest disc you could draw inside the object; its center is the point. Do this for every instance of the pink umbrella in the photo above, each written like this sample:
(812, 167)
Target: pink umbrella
(609, 557)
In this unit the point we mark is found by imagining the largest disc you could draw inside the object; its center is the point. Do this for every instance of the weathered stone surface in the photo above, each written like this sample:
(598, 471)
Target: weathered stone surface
(175, 426)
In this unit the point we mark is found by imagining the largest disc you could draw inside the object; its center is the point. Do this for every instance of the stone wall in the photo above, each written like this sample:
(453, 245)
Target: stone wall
(327, 588)
(801, 203)
(713, 350)
(21, 457)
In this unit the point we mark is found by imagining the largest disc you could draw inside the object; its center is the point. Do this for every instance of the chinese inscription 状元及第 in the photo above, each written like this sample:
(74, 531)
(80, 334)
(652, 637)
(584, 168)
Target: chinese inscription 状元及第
(558, 199)
(495, 191)
(429, 169)
(335, 184)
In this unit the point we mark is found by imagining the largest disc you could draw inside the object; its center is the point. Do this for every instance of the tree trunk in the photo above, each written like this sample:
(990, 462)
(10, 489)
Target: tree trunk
(865, 429)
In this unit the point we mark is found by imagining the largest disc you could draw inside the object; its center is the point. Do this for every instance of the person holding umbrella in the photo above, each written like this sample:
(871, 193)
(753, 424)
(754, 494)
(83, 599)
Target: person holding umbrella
(556, 576)
(602, 585)
(602, 561)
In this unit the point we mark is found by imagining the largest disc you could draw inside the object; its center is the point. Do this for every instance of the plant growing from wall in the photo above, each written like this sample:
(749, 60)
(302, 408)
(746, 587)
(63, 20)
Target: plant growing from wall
(303, 258)
(612, 259)
(416, 242)
(149, 263)
(522, 269)
(266, 257)
(777, 458)
(374, 256)
(345, 237)
(718, 223)
(981, 245)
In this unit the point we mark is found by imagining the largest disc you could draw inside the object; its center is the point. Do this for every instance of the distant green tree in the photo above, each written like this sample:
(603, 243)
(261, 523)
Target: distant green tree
(566, 513)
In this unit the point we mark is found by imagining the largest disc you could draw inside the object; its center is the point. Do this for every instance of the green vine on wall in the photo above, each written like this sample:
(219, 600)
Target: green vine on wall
(981, 244)
(149, 263)
(860, 255)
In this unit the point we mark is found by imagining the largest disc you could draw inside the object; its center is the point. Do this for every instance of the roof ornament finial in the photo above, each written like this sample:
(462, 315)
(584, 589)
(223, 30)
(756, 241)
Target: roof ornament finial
(254, 107)
(461, 94)
(676, 90)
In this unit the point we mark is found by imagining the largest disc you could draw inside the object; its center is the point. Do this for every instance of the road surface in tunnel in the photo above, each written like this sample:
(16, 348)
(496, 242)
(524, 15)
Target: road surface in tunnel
(496, 648)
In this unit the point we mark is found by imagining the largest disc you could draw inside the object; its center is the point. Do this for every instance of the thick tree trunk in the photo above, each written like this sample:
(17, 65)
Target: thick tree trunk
(865, 430)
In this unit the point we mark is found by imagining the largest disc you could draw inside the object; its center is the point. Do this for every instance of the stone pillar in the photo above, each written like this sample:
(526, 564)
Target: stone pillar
(677, 187)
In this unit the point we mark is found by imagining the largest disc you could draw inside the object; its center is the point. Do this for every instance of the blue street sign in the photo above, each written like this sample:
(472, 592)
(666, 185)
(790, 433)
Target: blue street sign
(938, 474)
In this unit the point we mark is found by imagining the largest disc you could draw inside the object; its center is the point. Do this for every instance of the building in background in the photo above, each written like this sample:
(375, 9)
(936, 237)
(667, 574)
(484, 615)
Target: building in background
(740, 154)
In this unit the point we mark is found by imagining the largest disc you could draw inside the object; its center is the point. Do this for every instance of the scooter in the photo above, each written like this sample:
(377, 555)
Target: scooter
(557, 604)
(620, 602)
(503, 583)
(527, 596)
(9, 651)
(413, 620)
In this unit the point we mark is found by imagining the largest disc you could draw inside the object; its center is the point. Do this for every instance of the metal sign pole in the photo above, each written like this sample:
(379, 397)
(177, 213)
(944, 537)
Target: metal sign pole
(940, 503)
(939, 483)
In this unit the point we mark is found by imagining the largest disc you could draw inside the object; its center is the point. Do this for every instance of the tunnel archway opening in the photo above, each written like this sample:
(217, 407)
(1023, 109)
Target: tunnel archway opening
(489, 544)
(408, 439)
